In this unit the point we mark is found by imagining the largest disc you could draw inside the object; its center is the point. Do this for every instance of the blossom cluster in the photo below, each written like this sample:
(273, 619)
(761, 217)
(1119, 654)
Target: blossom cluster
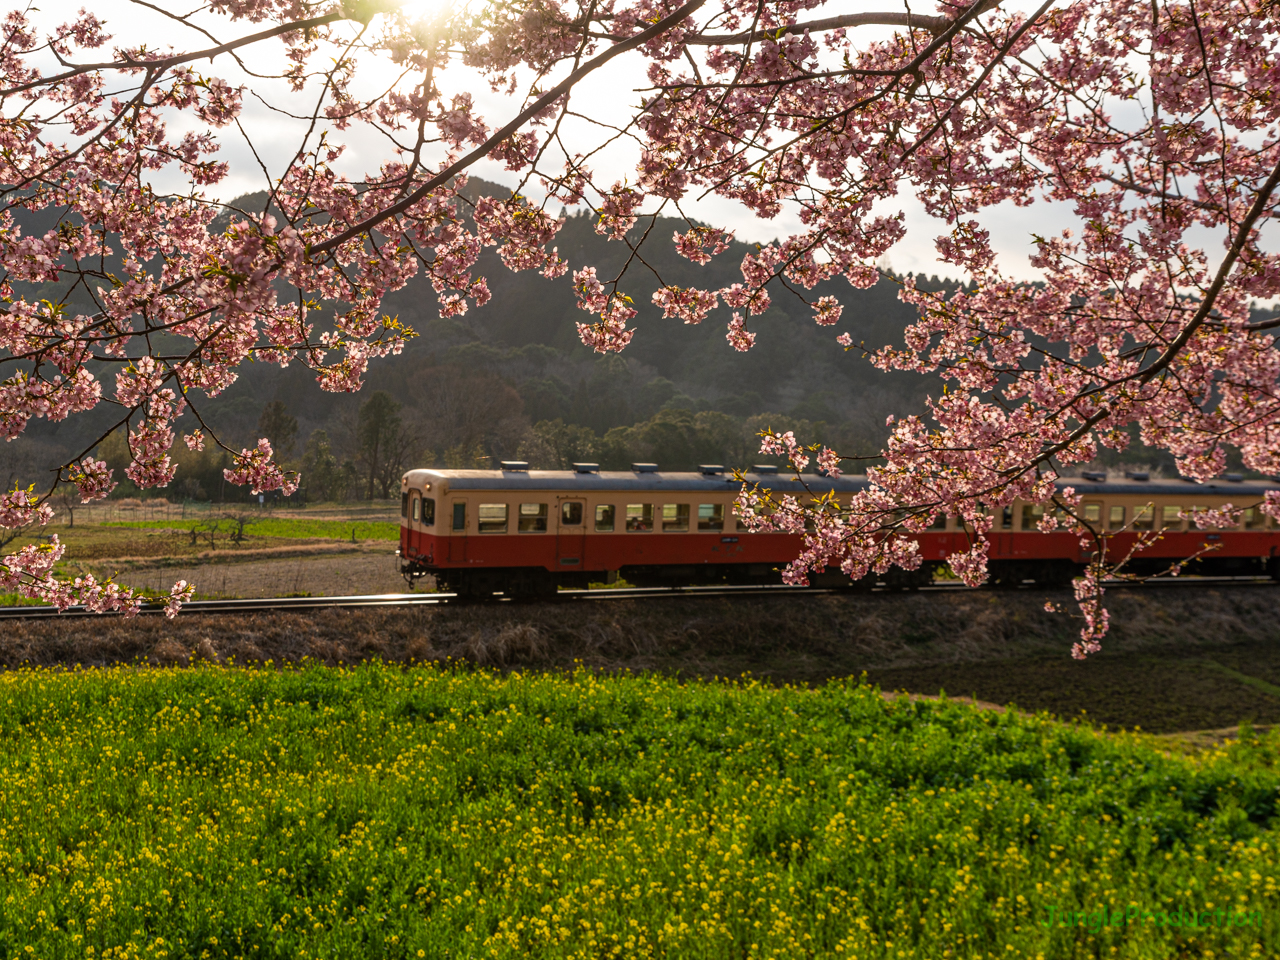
(1140, 325)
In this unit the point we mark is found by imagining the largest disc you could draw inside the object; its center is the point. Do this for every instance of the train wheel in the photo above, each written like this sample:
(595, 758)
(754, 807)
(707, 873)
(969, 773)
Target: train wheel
(832, 578)
(531, 585)
(1005, 574)
(895, 578)
(1057, 573)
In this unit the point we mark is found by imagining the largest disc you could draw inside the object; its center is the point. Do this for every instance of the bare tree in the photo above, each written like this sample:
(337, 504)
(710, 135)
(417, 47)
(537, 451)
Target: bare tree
(461, 411)
(279, 427)
(67, 499)
(239, 521)
(384, 443)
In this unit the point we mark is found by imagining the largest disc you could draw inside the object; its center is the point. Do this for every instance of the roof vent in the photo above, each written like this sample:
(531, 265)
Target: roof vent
(1142, 476)
(586, 468)
(710, 469)
(1097, 476)
(645, 467)
(764, 469)
(1235, 477)
(515, 465)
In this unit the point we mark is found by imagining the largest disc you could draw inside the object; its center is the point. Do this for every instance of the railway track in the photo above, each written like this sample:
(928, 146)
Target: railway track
(286, 604)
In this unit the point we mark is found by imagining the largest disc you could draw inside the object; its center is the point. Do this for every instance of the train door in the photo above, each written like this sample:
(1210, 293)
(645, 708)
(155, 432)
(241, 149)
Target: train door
(458, 532)
(414, 536)
(571, 534)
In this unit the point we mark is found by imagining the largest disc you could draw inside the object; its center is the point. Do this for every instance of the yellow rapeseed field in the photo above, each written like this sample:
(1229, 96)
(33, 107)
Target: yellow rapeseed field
(382, 812)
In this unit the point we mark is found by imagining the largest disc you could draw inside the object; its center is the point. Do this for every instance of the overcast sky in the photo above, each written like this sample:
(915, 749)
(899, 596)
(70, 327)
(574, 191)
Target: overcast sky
(608, 96)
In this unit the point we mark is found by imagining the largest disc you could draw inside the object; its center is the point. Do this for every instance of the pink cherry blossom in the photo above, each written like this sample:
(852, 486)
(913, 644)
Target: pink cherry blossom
(738, 336)
(254, 468)
(92, 478)
(1154, 128)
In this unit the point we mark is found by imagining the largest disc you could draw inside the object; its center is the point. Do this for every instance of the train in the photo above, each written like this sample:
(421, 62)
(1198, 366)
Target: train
(526, 533)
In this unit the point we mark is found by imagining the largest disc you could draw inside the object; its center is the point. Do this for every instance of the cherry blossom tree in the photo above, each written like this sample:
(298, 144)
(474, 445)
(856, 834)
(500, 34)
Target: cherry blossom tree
(1152, 124)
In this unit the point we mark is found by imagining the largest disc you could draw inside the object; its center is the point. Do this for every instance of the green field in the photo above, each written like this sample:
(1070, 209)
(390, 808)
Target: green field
(281, 527)
(379, 812)
(18, 600)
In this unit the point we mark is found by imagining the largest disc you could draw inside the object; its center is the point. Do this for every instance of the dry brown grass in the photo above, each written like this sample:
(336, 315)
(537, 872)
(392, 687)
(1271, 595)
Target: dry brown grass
(791, 637)
(287, 549)
(996, 647)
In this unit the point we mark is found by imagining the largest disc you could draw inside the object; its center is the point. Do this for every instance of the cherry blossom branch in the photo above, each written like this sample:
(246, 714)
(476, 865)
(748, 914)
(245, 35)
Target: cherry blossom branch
(544, 101)
(911, 21)
(1238, 242)
(1165, 195)
(1135, 330)
(164, 63)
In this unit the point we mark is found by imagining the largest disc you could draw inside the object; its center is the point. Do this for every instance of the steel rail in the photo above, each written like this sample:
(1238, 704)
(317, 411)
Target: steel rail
(299, 604)
(287, 604)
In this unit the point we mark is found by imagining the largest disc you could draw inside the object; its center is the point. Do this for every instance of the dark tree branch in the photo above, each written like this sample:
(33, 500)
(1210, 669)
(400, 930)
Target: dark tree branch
(544, 101)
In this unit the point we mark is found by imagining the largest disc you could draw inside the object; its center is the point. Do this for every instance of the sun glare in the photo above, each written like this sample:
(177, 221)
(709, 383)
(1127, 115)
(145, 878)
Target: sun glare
(414, 10)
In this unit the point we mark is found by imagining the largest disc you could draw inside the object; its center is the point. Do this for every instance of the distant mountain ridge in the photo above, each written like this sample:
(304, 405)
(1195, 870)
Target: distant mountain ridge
(526, 338)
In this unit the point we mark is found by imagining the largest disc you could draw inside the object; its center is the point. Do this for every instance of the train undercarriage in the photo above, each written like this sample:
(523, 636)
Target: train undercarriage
(533, 582)
(530, 582)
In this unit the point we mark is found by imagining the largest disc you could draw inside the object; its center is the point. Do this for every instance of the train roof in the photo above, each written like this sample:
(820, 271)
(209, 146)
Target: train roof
(654, 481)
(657, 481)
(1169, 486)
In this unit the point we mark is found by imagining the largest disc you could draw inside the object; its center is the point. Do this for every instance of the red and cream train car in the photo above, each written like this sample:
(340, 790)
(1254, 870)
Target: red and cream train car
(525, 532)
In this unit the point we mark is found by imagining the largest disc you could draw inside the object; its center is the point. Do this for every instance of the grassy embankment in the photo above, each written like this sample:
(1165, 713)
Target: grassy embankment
(425, 812)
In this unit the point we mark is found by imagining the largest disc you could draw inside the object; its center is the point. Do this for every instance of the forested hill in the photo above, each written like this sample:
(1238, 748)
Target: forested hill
(477, 385)
(795, 363)
(527, 334)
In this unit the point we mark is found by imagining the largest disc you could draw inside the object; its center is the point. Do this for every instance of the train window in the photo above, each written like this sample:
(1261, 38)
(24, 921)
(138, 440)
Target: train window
(493, 518)
(417, 509)
(675, 518)
(1144, 517)
(533, 518)
(404, 504)
(939, 522)
(1032, 514)
(460, 516)
(604, 517)
(1171, 517)
(1006, 518)
(1116, 518)
(711, 516)
(571, 513)
(1253, 518)
(428, 512)
(639, 517)
(1191, 516)
(1092, 513)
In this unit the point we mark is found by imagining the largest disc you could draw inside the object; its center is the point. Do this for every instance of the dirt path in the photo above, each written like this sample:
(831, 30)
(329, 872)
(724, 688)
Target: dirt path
(371, 572)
